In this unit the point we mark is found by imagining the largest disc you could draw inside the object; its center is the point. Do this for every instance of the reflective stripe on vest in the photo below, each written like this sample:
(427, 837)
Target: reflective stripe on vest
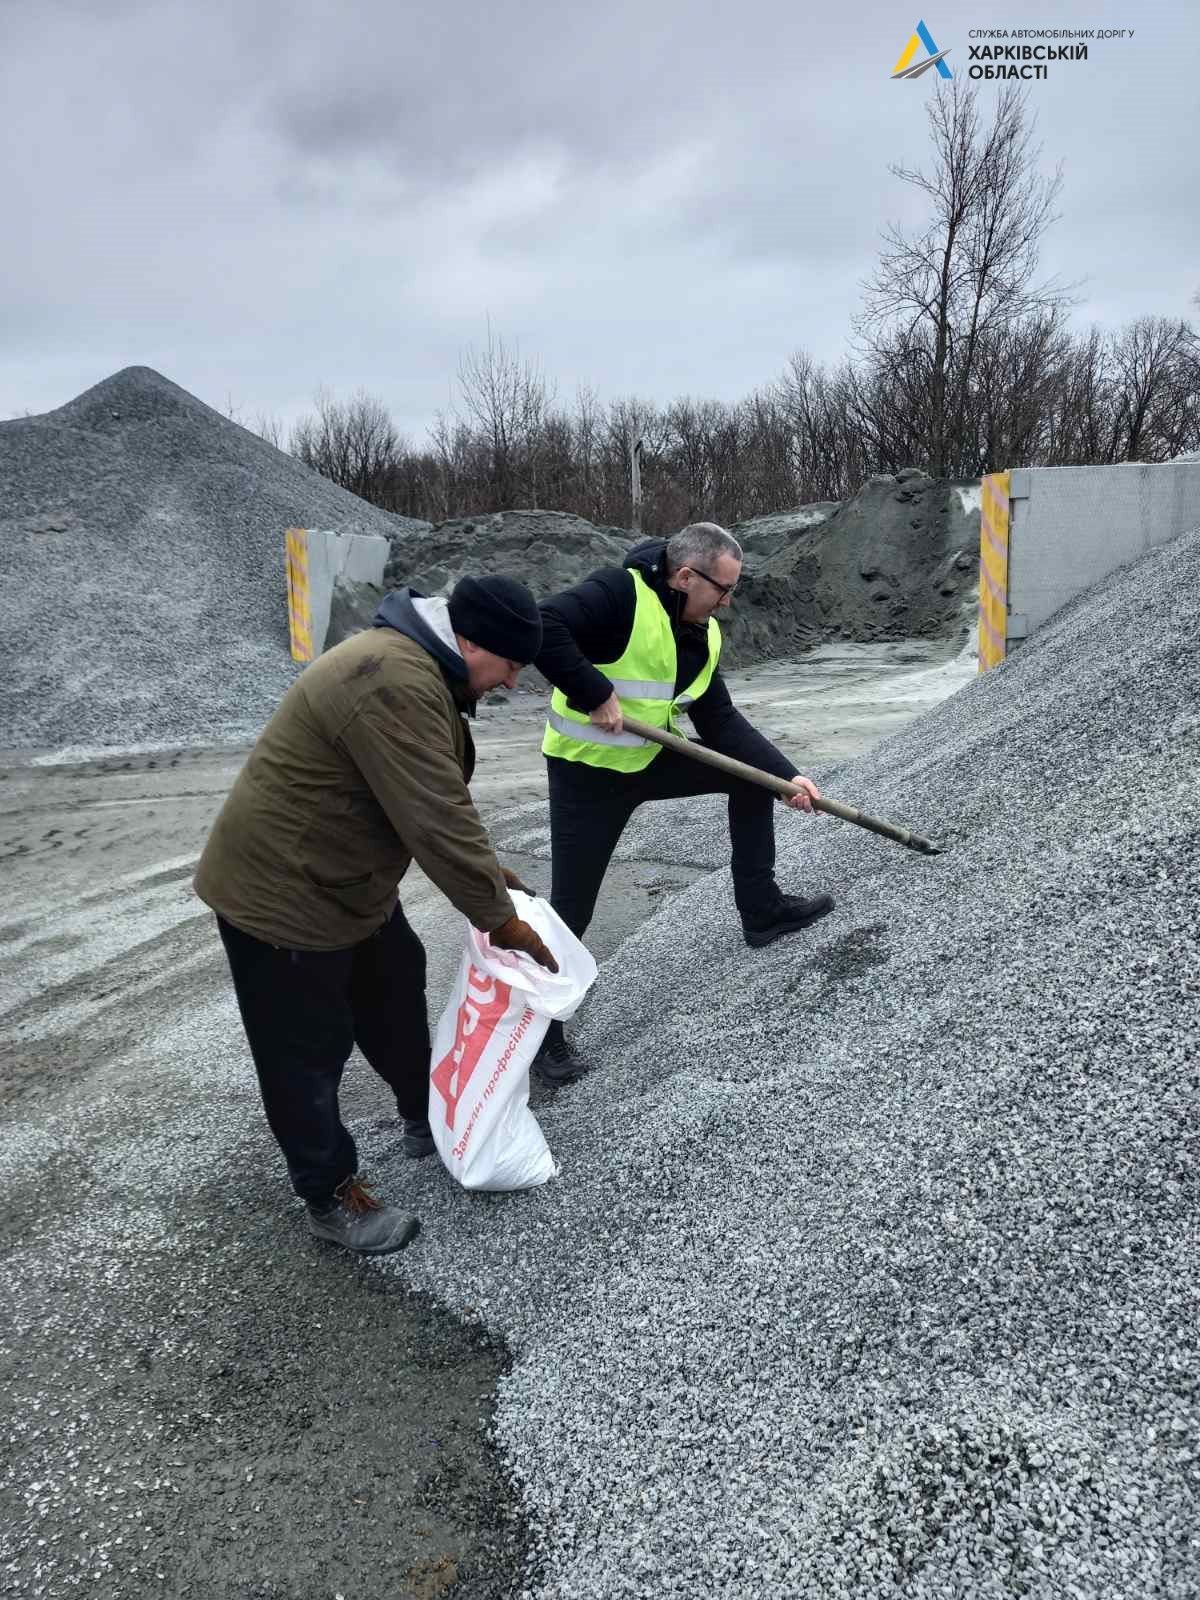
(642, 689)
(643, 680)
(595, 735)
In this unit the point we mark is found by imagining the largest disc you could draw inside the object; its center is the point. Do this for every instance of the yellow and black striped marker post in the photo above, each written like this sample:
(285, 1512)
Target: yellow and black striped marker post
(299, 613)
(993, 569)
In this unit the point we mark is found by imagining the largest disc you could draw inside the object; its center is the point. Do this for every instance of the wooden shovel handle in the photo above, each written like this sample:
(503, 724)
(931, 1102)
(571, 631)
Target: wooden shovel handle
(781, 786)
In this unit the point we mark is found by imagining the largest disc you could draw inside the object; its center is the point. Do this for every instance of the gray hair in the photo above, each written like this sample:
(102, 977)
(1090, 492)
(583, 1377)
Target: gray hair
(700, 543)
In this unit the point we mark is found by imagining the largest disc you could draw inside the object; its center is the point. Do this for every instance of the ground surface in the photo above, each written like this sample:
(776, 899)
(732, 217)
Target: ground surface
(197, 1398)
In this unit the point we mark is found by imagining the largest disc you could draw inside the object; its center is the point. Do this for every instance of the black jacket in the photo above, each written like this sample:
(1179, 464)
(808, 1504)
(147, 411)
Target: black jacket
(593, 621)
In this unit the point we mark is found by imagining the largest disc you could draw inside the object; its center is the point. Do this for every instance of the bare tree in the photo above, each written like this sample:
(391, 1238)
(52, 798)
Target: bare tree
(507, 399)
(354, 442)
(268, 426)
(1154, 366)
(1016, 389)
(1010, 409)
(587, 432)
(938, 293)
(1079, 420)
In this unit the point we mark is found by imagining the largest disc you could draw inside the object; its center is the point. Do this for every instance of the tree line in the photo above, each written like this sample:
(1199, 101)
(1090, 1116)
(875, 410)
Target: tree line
(962, 361)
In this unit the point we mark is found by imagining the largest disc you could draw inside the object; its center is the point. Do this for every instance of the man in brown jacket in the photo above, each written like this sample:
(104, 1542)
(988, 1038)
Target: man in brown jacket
(363, 769)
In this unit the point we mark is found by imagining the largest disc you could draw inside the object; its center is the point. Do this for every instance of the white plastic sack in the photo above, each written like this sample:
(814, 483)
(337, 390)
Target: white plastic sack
(494, 1021)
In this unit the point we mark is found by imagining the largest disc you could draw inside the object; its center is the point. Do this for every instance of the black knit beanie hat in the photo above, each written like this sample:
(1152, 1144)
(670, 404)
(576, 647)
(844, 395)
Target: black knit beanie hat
(498, 614)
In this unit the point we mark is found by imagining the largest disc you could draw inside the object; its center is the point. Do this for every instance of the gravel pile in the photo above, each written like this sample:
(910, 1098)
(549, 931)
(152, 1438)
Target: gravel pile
(142, 590)
(546, 550)
(143, 598)
(874, 1265)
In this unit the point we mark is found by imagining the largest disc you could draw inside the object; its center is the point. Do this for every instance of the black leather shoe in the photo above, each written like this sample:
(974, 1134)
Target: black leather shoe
(789, 914)
(418, 1138)
(557, 1061)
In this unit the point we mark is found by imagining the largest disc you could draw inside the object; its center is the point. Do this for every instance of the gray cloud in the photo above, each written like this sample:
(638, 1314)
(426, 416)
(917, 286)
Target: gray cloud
(658, 200)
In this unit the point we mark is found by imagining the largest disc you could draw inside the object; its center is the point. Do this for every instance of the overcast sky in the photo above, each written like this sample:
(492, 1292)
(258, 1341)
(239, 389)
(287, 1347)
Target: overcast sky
(657, 199)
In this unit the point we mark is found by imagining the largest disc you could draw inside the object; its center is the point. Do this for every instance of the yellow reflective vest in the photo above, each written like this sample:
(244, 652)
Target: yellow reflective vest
(644, 681)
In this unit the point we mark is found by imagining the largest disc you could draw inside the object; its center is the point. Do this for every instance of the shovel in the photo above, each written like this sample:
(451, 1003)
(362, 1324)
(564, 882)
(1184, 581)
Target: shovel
(783, 786)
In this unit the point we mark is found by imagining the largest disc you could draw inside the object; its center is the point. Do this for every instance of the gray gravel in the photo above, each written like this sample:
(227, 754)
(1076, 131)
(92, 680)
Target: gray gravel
(142, 589)
(873, 1267)
(548, 550)
(874, 1264)
(197, 1400)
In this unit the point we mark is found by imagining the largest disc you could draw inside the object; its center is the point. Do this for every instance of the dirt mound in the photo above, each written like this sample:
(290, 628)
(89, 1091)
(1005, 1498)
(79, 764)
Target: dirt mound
(765, 536)
(548, 550)
(898, 561)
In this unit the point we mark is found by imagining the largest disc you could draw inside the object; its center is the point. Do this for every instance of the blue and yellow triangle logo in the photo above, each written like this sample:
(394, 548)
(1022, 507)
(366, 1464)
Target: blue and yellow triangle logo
(906, 68)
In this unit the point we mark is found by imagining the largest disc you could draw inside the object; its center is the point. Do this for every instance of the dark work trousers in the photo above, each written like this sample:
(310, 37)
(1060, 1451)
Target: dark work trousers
(589, 807)
(304, 1011)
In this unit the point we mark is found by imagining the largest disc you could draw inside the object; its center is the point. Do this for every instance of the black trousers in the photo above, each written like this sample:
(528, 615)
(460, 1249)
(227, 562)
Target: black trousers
(304, 1011)
(589, 807)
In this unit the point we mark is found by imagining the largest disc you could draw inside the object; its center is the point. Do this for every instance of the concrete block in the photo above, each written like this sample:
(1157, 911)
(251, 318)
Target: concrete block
(327, 556)
(1073, 526)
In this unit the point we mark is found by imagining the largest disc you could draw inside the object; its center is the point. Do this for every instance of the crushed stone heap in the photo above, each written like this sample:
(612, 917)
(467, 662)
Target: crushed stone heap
(142, 591)
(874, 1266)
(767, 535)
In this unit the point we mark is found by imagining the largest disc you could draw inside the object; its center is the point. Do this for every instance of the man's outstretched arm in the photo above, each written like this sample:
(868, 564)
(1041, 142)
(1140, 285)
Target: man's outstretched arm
(722, 727)
(589, 622)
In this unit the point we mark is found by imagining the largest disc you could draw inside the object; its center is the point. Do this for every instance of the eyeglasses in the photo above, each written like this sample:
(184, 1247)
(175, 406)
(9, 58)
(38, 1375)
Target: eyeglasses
(726, 588)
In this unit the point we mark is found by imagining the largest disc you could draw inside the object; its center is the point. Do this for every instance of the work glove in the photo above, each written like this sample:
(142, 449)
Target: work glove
(517, 935)
(512, 881)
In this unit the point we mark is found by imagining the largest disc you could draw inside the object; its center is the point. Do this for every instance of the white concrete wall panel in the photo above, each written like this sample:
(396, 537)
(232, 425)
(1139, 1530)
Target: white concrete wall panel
(1072, 526)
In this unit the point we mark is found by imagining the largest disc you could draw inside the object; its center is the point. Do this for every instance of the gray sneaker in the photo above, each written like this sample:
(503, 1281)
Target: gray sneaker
(357, 1221)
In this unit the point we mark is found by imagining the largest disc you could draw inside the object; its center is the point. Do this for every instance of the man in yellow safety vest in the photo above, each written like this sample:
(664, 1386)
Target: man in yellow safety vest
(642, 640)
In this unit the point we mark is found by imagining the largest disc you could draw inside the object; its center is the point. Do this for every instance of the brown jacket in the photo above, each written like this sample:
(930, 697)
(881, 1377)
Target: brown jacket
(362, 769)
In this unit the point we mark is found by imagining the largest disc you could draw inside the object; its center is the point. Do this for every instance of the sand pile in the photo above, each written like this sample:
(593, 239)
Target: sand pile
(897, 561)
(761, 537)
(548, 550)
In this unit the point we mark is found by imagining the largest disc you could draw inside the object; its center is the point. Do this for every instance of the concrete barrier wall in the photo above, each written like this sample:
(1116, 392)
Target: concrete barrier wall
(1069, 527)
(316, 557)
